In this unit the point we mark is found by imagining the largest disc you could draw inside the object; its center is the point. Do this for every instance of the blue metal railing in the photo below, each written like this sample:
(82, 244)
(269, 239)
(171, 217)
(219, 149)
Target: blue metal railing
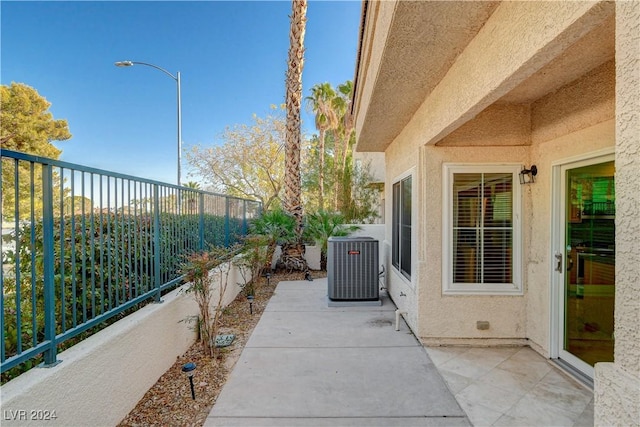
(81, 245)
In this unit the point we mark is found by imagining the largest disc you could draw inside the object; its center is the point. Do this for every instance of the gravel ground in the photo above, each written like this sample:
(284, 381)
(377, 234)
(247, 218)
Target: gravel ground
(169, 402)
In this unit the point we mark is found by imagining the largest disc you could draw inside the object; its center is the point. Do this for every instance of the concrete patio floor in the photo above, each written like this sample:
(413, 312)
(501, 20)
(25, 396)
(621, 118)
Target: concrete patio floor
(307, 364)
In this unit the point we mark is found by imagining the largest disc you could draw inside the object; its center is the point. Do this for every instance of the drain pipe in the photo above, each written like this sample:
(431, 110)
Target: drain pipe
(398, 313)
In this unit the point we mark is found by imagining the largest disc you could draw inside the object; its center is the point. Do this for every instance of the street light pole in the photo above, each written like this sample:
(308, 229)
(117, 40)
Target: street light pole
(177, 79)
(179, 129)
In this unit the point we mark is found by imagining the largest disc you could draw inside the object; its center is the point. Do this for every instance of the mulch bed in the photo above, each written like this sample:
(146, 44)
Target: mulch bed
(169, 401)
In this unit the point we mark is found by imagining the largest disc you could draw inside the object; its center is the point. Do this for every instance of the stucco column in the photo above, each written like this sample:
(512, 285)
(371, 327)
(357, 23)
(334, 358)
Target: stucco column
(617, 384)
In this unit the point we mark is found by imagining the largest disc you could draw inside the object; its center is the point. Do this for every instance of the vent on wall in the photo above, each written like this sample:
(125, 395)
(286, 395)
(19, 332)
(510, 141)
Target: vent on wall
(352, 269)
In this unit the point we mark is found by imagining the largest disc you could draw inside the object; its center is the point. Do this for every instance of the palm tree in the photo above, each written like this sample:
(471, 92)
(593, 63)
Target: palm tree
(277, 227)
(321, 103)
(342, 106)
(321, 225)
(192, 184)
(295, 63)
(192, 198)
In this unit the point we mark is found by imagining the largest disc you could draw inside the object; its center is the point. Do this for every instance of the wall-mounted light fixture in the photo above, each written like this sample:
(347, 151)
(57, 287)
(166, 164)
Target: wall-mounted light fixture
(527, 176)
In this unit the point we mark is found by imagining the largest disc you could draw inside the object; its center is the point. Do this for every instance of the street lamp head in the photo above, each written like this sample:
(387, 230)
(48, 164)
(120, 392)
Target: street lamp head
(177, 79)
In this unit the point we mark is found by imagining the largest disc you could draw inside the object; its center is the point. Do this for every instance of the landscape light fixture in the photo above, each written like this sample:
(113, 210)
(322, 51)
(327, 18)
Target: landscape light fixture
(527, 176)
(189, 369)
(177, 79)
(250, 299)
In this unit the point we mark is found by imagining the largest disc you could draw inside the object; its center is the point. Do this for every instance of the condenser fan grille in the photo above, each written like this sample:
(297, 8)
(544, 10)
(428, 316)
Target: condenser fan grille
(352, 269)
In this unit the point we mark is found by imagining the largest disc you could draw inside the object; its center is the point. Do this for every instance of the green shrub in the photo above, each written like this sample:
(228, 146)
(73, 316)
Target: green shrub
(101, 261)
(321, 225)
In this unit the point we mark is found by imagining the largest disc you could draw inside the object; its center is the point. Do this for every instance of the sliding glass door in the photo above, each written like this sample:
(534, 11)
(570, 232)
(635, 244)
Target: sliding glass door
(588, 290)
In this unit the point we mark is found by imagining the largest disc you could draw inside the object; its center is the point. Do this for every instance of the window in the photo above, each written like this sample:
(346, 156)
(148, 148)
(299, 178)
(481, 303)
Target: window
(401, 248)
(482, 229)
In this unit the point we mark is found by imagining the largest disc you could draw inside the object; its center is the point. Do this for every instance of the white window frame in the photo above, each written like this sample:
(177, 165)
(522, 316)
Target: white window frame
(406, 277)
(448, 286)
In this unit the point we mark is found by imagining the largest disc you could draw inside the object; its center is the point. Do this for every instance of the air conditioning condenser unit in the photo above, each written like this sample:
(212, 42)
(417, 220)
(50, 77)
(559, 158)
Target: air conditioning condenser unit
(352, 270)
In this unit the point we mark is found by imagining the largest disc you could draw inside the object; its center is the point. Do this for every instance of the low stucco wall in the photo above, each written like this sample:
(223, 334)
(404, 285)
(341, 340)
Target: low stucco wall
(101, 379)
(311, 255)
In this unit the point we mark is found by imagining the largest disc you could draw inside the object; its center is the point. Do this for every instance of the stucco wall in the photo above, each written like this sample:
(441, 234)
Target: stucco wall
(447, 318)
(584, 102)
(498, 124)
(517, 40)
(101, 379)
(402, 160)
(375, 162)
(379, 17)
(538, 263)
(434, 318)
(575, 119)
(588, 100)
(617, 385)
(594, 113)
(628, 185)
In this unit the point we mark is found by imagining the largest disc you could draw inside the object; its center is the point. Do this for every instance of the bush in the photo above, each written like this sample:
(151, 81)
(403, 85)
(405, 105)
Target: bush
(101, 261)
(277, 227)
(252, 261)
(198, 271)
(321, 225)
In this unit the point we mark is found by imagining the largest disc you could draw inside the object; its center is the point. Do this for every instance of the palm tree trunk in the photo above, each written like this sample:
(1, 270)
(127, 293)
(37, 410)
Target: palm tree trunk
(321, 170)
(295, 63)
(345, 193)
(337, 171)
(345, 148)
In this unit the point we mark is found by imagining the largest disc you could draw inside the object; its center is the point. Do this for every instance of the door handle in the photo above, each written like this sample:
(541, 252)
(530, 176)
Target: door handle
(558, 257)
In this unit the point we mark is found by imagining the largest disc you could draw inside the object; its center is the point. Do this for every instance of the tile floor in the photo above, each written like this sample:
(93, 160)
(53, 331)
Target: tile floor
(512, 387)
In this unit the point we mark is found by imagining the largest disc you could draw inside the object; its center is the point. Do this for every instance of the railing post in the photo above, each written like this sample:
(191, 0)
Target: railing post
(50, 355)
(201, 221)
(156, 242)
(227, 224)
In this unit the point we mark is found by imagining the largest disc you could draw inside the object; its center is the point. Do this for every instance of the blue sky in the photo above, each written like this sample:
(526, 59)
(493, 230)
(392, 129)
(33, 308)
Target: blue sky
(231, 56)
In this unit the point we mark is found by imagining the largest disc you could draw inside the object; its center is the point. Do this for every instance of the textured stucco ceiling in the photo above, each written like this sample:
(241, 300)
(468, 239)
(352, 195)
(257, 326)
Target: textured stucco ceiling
(591, 51)
(423, 40)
